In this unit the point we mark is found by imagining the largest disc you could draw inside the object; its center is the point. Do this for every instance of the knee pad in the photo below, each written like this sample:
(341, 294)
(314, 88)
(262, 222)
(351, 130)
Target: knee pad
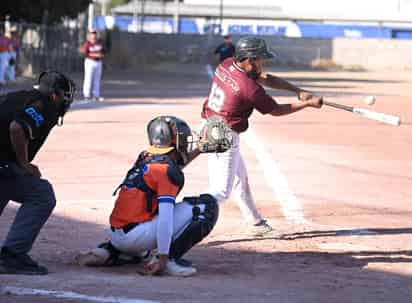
(199, 227)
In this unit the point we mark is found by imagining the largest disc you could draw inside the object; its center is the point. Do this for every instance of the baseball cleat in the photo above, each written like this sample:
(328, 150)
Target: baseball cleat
(19, 264)
(95, 257)
(260, 229)
(174, 269)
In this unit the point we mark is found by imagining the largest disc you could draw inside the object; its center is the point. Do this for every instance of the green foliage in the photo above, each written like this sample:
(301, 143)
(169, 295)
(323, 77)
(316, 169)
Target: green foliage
(114, 3)
(39, 11)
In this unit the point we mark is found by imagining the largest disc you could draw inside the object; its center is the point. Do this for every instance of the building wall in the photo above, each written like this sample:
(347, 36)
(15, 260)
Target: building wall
(319, 5)
(131, 49)
(373, 53)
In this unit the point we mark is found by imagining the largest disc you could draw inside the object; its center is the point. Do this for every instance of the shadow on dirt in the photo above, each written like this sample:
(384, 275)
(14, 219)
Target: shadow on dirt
(226, 273)
(347, 232)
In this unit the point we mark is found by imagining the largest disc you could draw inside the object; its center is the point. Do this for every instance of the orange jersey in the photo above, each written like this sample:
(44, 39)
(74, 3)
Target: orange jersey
(131, 205)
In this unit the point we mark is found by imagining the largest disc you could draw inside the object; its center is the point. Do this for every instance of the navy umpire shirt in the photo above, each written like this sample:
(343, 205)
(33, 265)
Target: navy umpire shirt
(225, 51)
(35, 112)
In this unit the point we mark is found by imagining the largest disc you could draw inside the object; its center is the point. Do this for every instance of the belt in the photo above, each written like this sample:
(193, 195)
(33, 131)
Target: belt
(94, 59)
(126, 228)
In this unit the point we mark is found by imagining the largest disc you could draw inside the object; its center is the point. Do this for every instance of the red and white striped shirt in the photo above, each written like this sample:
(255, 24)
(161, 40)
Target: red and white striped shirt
(90, 49)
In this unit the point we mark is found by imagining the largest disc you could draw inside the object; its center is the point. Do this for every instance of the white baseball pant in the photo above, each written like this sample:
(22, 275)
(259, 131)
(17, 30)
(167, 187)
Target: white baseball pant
(143, 237)
(92, 77)
(4, 62)
(227, 173)
(11, 69)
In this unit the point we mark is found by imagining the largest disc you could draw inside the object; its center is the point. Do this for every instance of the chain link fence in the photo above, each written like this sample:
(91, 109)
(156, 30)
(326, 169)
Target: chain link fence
(48, 47)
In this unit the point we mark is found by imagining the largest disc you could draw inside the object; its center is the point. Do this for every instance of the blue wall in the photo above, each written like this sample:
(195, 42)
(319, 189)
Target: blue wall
(187, 26)
(314, 30)
(307, 30)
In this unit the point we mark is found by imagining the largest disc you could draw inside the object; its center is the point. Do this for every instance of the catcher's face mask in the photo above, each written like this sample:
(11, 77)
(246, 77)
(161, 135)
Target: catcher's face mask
(167, 133)
(53, 82)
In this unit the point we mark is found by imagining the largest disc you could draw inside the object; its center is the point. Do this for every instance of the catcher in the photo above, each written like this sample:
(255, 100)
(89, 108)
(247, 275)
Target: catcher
(146, 217)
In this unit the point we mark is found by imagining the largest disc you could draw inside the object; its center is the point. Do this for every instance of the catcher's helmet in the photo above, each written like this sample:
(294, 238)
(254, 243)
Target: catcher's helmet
(167, 133)
(252, 47)
(53, 82)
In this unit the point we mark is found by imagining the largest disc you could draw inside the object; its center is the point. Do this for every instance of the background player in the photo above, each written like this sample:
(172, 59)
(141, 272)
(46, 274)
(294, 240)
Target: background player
(13, 54)
(226, 49)
(236, 91)
(26, 119)
(5, 47)
(146, 216)
(93, 51)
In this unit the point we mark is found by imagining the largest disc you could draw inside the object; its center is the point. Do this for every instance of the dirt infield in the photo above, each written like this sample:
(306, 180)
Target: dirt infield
(347, 239)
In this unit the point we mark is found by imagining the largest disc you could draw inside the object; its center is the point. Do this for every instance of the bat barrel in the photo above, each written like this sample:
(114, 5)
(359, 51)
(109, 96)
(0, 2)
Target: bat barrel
(381, 117)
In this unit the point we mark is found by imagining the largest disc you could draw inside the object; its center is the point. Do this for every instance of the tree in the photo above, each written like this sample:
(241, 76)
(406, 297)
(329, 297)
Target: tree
(114, 3)
(41, 11)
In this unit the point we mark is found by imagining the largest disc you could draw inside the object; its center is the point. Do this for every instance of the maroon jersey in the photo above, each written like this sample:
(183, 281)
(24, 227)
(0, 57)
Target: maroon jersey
(234, 96)
(5, 44)
(88, 49)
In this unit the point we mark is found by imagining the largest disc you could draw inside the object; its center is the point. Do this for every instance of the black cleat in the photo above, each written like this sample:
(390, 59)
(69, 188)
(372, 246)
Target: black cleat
(19, 264)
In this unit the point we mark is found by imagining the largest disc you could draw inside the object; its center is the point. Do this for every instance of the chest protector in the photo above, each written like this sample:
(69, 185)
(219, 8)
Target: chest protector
(134, 178)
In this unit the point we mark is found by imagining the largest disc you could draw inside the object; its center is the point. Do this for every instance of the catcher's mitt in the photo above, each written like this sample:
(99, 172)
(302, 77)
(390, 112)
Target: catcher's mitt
(215, 136)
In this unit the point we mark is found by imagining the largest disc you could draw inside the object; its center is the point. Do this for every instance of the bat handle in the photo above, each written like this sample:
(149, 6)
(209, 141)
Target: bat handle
(337, 105)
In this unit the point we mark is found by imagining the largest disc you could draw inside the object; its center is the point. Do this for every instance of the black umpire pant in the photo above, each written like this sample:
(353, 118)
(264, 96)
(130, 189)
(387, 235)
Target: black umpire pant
(37, 200)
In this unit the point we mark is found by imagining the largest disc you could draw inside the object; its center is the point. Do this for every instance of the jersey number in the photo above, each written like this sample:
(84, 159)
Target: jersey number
(216, 98)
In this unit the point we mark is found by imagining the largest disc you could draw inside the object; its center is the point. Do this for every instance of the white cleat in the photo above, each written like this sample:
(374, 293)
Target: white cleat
(174, 269)
(260, 229)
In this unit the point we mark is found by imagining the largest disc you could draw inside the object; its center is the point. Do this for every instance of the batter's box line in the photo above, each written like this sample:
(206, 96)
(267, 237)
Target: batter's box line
(18, 291)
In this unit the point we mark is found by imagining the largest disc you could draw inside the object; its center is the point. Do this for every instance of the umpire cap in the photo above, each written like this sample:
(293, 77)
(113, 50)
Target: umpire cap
(252, 47)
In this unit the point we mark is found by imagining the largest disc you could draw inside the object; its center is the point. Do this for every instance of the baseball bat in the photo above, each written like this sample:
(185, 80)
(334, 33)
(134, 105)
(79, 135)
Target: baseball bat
(381, 117)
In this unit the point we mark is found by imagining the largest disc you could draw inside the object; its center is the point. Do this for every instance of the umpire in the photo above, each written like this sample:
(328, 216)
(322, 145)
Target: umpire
(26, 119)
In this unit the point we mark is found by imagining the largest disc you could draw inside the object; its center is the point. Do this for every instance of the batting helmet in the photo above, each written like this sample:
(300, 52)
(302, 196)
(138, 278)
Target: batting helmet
(252, 47)
(53, 82)
(167, 133)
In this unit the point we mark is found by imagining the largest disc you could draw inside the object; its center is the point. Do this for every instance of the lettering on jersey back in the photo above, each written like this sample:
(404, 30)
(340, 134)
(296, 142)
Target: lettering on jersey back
(224, 75)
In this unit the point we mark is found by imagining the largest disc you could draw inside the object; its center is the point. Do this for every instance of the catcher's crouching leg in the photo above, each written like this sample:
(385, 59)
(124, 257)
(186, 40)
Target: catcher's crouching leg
(200, 226)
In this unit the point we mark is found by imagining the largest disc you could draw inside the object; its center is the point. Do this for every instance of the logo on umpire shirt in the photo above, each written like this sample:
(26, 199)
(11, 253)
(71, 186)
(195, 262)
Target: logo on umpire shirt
(37, 117)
